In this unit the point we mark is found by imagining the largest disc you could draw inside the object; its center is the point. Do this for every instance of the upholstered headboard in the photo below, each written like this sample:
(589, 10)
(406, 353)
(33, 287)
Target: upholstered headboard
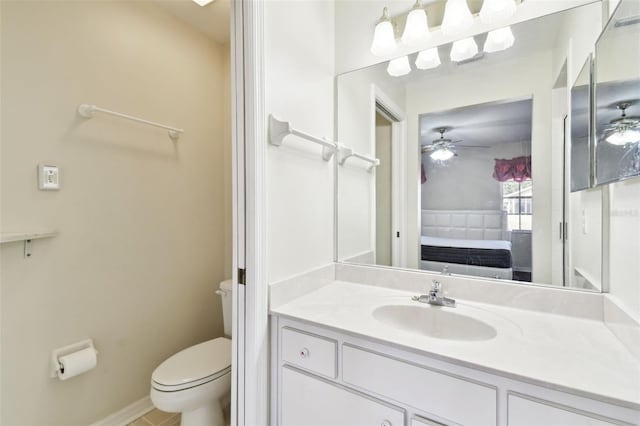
(465, 224)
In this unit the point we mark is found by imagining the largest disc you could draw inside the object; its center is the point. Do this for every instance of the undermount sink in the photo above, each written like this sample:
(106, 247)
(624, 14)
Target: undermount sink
(437, 322)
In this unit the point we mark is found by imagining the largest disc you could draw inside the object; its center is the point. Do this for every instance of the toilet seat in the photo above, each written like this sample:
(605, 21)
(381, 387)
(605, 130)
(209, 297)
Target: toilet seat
(194, 366)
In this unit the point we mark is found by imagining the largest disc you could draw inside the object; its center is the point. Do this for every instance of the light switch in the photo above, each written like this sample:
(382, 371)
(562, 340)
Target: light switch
(48, 177)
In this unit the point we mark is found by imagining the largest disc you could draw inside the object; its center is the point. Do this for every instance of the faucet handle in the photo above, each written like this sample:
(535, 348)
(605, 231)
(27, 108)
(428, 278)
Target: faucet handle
(436, 285)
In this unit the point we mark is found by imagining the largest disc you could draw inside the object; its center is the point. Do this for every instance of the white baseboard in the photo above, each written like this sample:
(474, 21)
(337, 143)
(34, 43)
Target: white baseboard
(127, 414)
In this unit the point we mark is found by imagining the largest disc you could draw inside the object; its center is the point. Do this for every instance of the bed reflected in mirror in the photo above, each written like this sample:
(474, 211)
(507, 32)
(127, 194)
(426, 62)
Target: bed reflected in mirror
(476, 203)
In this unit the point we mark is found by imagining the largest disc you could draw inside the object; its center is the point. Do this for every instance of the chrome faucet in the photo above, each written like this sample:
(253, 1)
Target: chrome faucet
(435, 296)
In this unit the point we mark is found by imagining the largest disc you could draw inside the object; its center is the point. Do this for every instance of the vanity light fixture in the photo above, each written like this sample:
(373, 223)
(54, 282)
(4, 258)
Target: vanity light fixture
(500, 39)
(625, 129)
(463, 49)
(494, 11)
(399, 66)
(384, 38)
(428, 59)
(416, 28)
(457, 17)
(442, 154)
(203, 2)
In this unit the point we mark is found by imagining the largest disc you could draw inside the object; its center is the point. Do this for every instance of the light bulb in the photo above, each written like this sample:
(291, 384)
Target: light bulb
(399, 67)
(384, 38)
(498, 40)
(442, 154)
(428, 59)
(416, 28)
(463, 49)
(494, 11)
(457, 17)
(624, 136)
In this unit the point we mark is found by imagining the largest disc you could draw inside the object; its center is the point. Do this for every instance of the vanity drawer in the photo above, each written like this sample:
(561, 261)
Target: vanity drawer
(449, 397)
(310, 352)
(526, 411)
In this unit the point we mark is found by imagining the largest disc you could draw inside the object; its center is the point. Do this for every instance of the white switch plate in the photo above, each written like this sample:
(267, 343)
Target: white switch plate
(48, 177)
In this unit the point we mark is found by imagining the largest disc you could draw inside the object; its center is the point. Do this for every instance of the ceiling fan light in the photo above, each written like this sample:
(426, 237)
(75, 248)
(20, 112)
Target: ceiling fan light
(624, 136)
(500, 39)
(442, 154)
(463, 49)
(494, 11)
(384, 38)
(457, 17)
(399, 66)
(428, 59)
(416, 28)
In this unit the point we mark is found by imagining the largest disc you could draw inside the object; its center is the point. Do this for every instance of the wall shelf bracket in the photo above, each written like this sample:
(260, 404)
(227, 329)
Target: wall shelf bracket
(344, 153)
(279, 129)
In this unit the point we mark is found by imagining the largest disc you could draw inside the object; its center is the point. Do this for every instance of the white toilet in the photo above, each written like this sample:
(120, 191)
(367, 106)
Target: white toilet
(197, 381)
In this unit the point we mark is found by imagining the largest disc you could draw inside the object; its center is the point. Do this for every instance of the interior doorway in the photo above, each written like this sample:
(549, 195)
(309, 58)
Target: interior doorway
(388, 129)
(384, 211)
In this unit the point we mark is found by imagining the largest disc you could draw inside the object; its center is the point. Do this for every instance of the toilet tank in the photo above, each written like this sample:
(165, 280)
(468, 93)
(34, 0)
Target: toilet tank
(225, 292)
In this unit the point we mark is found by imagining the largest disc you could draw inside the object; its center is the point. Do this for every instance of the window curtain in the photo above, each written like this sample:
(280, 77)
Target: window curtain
(518, 169)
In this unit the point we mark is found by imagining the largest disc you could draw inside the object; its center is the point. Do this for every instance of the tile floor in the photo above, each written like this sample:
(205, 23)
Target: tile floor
(156, 417)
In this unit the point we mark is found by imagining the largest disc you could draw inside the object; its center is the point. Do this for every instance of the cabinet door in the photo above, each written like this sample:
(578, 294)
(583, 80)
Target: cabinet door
(526, 412)
(308, 401)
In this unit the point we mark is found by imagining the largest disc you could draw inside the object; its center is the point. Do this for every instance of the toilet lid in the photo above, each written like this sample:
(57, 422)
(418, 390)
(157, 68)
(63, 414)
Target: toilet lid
(205, 360)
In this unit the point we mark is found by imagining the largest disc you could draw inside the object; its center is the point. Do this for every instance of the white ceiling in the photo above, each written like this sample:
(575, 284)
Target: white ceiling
(483, 125)
(212, 19)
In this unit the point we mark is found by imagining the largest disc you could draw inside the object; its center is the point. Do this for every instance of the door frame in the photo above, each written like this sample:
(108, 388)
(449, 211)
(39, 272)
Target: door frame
(250, 343)
(396, 115)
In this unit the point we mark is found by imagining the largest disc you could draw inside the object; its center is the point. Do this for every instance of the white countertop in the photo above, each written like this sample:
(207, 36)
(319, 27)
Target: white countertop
(571, 354)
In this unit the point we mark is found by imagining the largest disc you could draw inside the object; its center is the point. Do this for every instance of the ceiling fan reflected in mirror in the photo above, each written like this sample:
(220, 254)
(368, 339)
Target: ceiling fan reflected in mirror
(442, 149)
(623, 130)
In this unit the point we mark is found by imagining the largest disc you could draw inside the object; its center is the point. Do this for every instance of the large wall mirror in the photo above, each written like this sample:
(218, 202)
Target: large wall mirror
(475, 159)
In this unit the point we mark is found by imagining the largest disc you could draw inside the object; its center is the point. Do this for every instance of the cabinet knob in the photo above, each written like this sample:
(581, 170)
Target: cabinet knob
(304, 352)
(386, 423)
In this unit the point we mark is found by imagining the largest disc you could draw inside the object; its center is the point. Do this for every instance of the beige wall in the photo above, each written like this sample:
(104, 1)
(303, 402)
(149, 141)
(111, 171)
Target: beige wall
(142, 220)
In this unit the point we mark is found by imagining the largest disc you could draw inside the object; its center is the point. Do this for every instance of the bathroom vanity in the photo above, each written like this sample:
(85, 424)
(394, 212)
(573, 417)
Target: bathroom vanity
(351, 354)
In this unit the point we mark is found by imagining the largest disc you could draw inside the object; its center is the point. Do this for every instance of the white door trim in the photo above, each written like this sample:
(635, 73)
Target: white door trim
(398, 120)
(250, 318)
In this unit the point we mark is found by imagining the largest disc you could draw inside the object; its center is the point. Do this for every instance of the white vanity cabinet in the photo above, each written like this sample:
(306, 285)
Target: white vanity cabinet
(323, 377)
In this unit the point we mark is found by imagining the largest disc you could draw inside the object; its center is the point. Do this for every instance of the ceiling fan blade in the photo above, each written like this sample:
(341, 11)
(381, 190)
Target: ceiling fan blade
(471, 146)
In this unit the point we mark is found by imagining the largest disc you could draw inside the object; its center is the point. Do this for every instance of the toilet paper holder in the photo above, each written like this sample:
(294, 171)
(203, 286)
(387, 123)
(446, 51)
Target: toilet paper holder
(56, 366)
